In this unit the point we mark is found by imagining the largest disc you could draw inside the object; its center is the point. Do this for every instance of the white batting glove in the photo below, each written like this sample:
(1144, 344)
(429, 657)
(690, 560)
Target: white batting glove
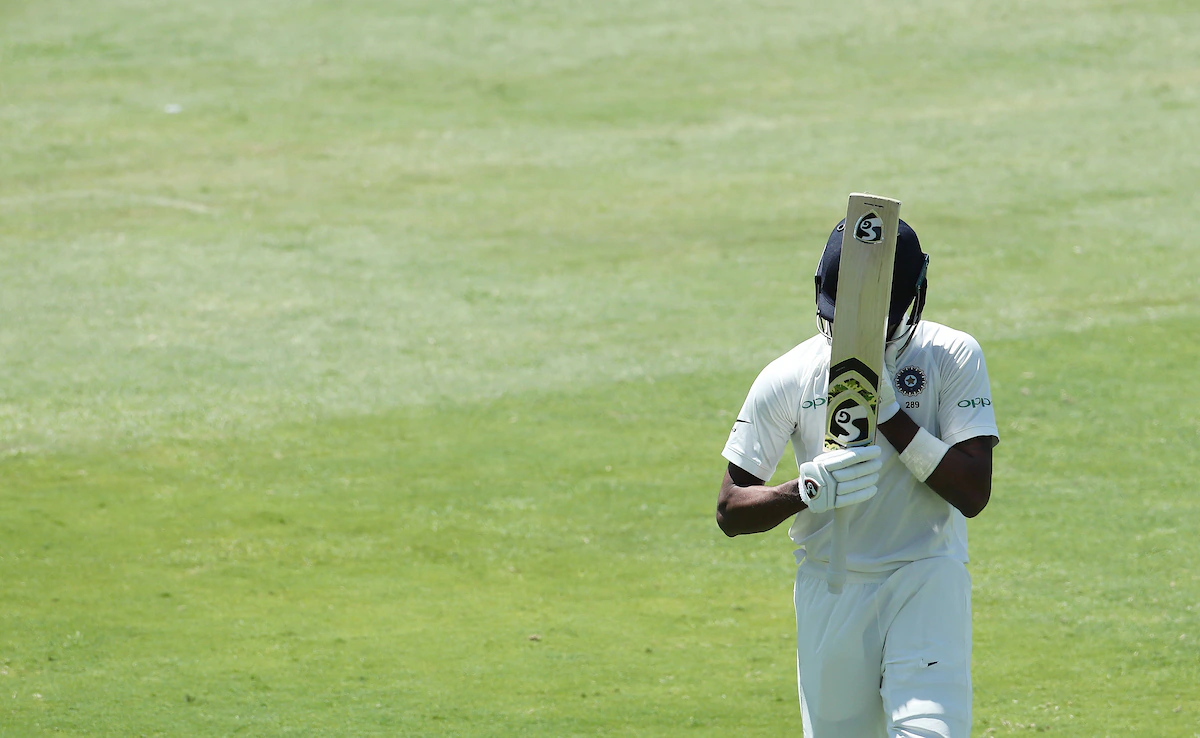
(888, 405)
(840, 478)
(891, 357)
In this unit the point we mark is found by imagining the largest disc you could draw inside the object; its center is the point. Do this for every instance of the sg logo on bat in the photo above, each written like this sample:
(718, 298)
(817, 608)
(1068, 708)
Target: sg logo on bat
(869, 228)
(852, 397)
(850, 424)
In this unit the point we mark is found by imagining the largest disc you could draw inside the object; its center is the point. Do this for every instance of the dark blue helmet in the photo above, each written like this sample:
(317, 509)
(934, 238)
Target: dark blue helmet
(908, 276)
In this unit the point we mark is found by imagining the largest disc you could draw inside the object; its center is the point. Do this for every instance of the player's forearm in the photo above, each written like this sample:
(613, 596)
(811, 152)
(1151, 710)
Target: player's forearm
(964, 475)
(963, 479)
(757, 508)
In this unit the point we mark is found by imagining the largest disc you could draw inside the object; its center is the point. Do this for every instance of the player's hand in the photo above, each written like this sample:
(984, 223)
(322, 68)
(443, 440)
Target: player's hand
(888, 405)
(891, 356)
(840, 478)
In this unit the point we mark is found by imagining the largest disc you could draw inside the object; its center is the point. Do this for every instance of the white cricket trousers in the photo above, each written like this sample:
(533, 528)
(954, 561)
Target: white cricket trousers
(890, 657)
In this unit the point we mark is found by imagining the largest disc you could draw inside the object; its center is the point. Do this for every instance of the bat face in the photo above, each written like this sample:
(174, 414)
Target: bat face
(860, 317)
(856, 357)
(853, 400)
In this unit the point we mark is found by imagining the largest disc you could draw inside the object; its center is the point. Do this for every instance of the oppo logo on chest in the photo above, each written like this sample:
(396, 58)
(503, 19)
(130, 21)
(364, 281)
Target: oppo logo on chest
(815, 402)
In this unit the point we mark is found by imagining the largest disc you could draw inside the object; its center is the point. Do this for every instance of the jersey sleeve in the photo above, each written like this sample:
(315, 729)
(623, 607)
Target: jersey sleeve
(766, 422)
(965, 396)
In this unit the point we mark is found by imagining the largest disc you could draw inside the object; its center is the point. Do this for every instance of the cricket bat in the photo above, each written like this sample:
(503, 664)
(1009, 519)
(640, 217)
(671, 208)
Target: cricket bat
(864, 293)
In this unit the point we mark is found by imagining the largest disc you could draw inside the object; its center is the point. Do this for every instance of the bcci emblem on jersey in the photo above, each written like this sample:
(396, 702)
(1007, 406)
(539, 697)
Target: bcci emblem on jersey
(910, 381)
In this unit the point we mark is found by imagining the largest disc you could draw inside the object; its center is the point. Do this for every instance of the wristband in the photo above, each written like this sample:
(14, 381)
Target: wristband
(923, 454)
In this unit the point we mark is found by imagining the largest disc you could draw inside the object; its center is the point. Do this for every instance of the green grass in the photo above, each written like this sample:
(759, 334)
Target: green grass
(380, 388)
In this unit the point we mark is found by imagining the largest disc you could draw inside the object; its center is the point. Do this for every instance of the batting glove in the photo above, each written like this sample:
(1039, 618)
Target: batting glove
(888, 405)
(840, 478)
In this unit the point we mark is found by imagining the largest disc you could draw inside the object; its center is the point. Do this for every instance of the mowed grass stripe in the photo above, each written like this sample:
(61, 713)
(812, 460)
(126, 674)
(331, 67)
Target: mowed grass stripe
(550, 194)
(1082, 579)
(433, 544)
(547, 564)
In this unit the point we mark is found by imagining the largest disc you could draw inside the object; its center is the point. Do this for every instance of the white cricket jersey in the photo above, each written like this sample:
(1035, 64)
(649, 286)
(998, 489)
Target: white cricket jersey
(942, 383)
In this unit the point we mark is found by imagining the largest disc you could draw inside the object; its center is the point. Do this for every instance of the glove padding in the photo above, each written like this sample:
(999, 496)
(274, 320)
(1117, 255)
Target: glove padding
(840, 478)
(887, 405)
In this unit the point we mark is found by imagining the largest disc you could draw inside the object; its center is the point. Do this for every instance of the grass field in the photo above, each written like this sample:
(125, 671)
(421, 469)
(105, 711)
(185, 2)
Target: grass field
(365, 366)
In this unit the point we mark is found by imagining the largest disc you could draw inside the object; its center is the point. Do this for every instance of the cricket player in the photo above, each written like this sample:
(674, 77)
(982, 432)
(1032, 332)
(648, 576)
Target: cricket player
(890, 656)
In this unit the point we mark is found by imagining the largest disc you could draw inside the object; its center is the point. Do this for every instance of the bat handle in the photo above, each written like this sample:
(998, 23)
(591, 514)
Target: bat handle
(837, 553)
